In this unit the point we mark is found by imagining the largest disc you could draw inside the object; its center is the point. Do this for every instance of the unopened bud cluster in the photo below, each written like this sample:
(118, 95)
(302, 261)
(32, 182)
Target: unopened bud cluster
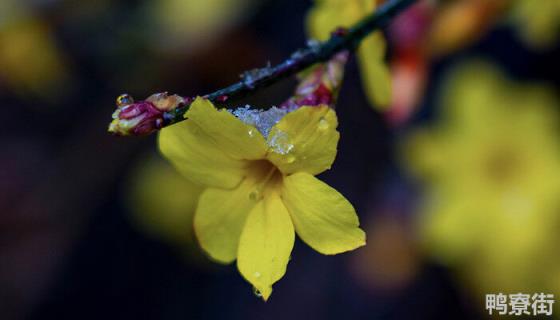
(142, 117)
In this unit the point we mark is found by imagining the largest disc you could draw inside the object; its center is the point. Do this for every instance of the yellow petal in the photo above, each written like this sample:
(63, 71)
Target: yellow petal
(304, 140)
(220, 217)
(538, 22)
(325, 16)
(376, 77)
(323, 218)
(235, 138)
(198, 158)
(266, 243)
(330, 14)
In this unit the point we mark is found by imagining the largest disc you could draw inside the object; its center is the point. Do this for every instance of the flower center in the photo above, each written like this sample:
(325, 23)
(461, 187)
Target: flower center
(502, 165)
(266, 176)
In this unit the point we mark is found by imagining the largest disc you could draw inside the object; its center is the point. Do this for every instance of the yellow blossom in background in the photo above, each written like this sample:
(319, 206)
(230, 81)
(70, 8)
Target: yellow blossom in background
(327, 15)
(192, 23)
(538, 21)
(162, 202)
(459, 23)
(491, 170)
(260, 187)
(30, 60)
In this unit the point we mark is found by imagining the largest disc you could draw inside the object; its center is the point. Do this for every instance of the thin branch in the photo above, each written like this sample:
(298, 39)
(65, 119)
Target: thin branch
(315, 52)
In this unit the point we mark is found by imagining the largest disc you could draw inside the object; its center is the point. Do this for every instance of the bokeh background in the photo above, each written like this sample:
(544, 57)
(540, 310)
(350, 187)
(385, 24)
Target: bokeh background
(456, 184)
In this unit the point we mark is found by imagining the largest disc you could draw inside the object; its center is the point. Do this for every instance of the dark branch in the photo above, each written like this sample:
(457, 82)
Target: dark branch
(315, 52)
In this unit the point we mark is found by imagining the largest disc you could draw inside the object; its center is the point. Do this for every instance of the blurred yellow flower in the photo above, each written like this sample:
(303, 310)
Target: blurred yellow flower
(193, 23)
(260, 190)
(30, 60)
(538, 21)
(327, 15)
(162, 202)
(459, 23)
(491, 168)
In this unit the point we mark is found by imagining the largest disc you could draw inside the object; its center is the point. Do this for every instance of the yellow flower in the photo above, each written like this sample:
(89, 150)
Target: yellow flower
(193, 23)
(23, 69)
(538, 21)
(327, 15)
(459, 23)
(261, 191)
(491, 168)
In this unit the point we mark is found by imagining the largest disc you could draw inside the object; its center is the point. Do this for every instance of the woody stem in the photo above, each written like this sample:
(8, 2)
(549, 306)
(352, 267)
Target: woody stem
(300, 59)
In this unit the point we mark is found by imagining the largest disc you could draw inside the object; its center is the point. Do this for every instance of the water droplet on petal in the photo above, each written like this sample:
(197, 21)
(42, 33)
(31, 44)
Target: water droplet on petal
(290, 159)
(251, 132)
(280, 142)
(257, 274)
(323, 124)
(257, 292)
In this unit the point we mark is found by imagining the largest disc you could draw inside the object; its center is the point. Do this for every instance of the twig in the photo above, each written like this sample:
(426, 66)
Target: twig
(315, 52)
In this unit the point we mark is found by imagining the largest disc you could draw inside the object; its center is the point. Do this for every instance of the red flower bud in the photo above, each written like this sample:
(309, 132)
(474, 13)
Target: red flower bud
(143, 117)
(319, 85)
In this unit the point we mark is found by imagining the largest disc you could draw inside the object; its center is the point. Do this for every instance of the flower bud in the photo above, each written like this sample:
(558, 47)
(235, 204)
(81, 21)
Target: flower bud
(165, 102)
(143, 117)
(320, 84)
